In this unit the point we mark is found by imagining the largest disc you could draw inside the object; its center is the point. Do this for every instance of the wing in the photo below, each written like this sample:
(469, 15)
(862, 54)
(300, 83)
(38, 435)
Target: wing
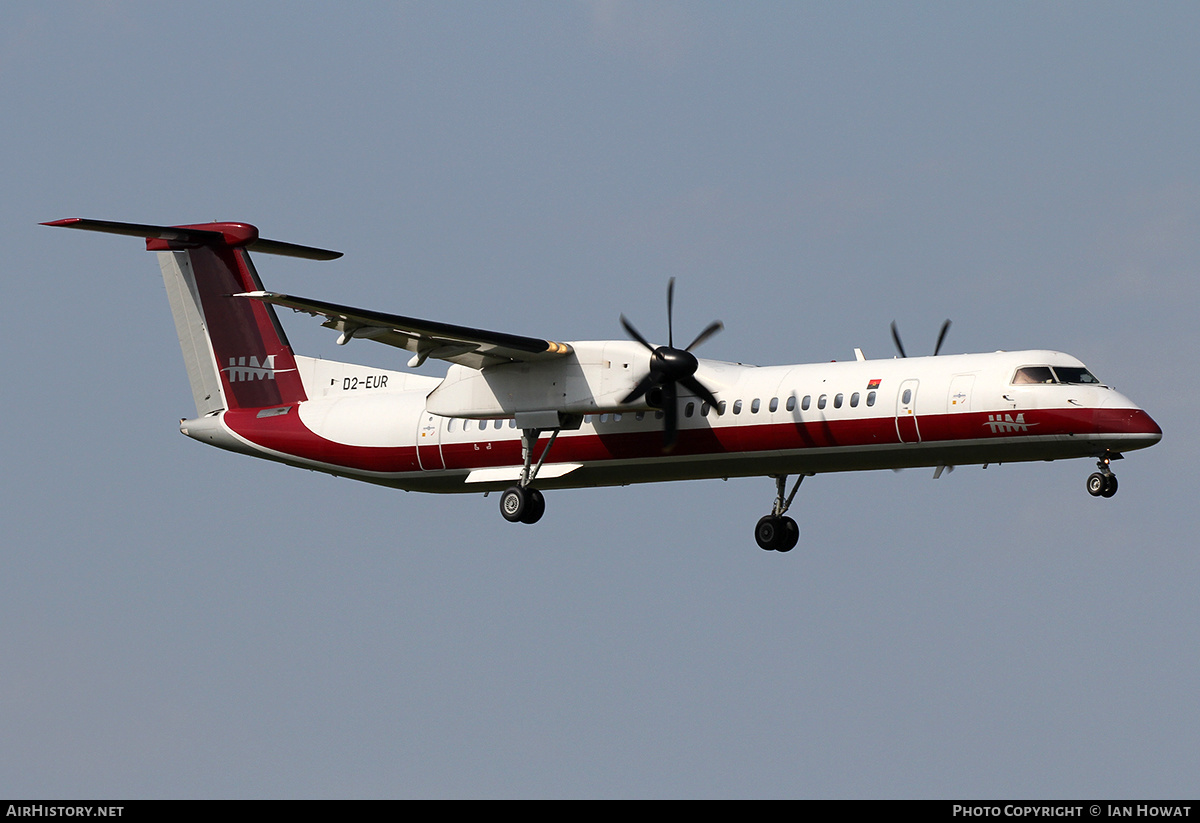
(475, 348)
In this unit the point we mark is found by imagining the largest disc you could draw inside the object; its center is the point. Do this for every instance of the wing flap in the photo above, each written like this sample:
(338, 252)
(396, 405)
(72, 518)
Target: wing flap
(475, 348)
(511, 474)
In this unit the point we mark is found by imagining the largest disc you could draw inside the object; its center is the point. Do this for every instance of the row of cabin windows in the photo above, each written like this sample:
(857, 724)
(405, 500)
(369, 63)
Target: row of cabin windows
(689, 410)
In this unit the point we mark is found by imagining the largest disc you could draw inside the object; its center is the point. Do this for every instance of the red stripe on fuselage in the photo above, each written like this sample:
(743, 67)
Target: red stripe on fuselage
(1066, 433)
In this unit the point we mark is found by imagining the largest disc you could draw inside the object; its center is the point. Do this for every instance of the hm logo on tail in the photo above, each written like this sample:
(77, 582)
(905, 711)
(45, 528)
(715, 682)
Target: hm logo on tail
(249, 368)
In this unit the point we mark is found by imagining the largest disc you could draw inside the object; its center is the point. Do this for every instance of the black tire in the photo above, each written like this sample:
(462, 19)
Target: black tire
(791, 535)
(769, 532)
(514, 502)
(1110, 486)
(1096, 484)
(535, 506)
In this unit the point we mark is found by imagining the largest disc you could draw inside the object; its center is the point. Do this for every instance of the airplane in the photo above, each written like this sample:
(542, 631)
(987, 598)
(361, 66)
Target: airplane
(520, 415)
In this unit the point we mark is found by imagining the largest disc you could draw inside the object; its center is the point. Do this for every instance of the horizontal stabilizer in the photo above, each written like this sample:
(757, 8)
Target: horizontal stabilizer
(203, 234)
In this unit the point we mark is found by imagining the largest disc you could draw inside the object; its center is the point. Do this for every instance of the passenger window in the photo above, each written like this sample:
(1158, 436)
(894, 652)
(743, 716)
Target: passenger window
(791, 403)
(721, 408)
(870, 398)
(639, 416)
(754, 406)
(499, 424)
(604, 417)
(806, 402)
(906, 398)
(512, 422)
(774, 404)
(837, 400)
(616, 417)
(821, 402)
(689, 409)
(854, 400)
(704, 407)
(737, 406)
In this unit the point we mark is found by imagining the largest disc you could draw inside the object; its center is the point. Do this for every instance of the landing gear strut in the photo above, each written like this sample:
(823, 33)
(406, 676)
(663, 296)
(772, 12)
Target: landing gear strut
(776, 533)
(522, 503)
(1103, 483)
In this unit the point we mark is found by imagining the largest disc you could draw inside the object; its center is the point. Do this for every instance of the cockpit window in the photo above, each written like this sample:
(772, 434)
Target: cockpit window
(1033, 374)
(1075, 374)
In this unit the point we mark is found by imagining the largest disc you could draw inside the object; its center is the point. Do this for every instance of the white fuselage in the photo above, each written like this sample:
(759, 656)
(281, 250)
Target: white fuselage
(459, 434)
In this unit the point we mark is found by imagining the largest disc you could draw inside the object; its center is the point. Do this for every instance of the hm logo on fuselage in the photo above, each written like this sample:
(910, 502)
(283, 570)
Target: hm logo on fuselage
(1005, 423)
(249, 368)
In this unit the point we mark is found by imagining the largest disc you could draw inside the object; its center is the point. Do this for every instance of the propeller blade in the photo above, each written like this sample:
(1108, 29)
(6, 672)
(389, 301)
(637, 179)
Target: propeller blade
(670, 312)
(896, 338)
(634, 333)
(941, 337)
(669, 368)
(670, 417)
(641, 388)
(700, 390)
(712, 329)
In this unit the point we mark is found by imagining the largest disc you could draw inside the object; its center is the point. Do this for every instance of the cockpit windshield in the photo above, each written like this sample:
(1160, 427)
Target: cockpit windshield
(1070, 375)
(1075, 374)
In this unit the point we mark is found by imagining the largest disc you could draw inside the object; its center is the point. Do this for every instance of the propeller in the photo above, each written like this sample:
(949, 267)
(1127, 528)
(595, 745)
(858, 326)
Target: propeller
(670, 368)
(937, 348)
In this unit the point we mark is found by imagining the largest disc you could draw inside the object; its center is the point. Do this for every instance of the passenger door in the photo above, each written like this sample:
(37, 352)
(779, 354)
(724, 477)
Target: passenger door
(429, 446)
(906, 412)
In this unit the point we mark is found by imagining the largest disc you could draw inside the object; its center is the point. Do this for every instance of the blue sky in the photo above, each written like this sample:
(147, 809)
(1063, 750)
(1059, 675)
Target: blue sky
(180, 621)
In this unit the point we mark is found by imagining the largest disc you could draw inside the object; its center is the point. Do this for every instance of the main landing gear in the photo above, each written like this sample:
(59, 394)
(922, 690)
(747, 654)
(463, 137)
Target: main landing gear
(522, 503)
(1103, 483)
(776, 533)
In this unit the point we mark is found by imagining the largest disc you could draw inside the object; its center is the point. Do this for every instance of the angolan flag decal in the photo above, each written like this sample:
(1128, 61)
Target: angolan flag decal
(874, 384)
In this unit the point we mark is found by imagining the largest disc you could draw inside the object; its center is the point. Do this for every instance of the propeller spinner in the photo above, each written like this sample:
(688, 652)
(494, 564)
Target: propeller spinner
(670, 368)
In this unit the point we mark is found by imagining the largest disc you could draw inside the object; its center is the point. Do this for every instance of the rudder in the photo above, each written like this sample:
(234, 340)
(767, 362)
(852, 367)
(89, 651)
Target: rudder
(235, 350)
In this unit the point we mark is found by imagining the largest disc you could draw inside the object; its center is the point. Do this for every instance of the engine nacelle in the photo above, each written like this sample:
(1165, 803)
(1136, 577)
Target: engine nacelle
(594, 377)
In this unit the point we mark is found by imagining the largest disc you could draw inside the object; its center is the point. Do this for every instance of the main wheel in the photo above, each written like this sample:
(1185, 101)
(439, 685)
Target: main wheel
(535, 506)
(514, 503)
(1110, 486)
(769, 533)
(1097, 483)
(791, 535)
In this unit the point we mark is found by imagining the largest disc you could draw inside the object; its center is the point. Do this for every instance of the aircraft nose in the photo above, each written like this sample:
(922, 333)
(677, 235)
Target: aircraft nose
(1132, 428)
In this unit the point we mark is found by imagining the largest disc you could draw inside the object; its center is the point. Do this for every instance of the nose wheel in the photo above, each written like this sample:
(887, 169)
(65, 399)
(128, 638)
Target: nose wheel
(1103, 483)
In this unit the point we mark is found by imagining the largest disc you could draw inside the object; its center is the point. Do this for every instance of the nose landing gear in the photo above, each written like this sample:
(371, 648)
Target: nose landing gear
(1103, 483)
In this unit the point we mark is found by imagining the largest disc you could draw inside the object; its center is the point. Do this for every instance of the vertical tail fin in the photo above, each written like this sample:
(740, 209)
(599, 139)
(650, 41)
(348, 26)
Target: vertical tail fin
(235, 350)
